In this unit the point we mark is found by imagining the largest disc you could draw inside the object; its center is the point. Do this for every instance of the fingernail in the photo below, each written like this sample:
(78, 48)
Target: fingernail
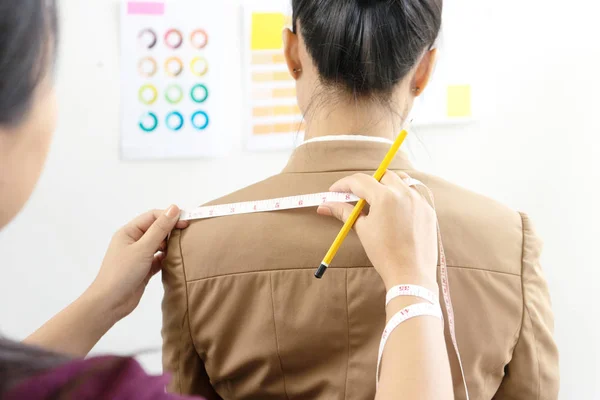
(172, 212)
(324, 210)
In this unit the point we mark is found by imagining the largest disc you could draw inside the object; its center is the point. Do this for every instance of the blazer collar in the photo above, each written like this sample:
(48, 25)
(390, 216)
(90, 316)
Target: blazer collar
(343, 153)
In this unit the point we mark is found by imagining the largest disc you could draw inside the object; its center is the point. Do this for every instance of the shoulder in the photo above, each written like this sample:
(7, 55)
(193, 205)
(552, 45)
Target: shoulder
(478, 232)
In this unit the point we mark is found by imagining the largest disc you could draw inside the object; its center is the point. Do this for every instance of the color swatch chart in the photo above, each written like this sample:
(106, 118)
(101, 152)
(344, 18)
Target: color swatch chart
(171, 102)
(274, 119)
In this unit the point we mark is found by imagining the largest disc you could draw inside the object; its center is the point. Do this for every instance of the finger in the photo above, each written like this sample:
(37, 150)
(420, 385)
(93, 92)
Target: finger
(396, 182)
(137, 227)
(182, 224)
(157, 263)
(340, 211)
(155, 268)
(364, 186)
(160, 229)
(409, 181)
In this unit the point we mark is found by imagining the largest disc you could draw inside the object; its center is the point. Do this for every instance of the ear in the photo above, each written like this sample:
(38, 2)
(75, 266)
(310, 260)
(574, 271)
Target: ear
(291, 50)
(424, 71)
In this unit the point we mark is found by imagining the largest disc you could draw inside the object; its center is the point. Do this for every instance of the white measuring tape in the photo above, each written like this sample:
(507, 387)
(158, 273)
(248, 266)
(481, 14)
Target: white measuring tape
(315, 200)
(443, 274)
(411, 290)
(283, 203)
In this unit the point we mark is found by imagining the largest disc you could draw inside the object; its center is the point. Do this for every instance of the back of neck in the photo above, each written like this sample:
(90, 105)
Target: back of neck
(352, 119)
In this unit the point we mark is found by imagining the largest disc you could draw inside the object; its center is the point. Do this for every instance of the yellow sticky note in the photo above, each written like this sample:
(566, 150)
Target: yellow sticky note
(267, 31)
(459, 101)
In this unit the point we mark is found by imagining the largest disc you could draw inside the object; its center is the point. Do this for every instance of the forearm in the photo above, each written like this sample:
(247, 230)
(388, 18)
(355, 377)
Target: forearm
(415, 361)
(75, 330)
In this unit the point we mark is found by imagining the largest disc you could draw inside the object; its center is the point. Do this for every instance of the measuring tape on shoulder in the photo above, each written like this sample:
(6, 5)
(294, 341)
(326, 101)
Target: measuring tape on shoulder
(279, 204)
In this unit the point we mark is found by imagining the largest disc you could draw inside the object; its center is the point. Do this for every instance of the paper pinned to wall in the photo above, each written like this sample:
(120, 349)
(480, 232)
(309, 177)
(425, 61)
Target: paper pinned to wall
(273, 119)
(173, 101)
(459, 101)
(266, 31)
(451, 95)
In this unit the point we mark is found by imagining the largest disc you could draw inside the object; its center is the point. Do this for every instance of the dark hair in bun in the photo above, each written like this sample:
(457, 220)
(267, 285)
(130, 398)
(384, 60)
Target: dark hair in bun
(367, 46)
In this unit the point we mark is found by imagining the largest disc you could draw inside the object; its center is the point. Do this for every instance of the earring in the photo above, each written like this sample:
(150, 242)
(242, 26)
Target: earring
(416, 90)
(296, 70)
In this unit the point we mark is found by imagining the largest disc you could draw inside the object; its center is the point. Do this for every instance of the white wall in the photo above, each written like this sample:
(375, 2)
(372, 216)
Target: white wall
(533, 148)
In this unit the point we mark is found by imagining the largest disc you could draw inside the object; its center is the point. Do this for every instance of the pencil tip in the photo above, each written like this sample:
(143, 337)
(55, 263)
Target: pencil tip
(321, 271)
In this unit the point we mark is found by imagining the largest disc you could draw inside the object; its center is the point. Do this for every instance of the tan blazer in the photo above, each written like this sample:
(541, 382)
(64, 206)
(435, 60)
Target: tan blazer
(245, 318)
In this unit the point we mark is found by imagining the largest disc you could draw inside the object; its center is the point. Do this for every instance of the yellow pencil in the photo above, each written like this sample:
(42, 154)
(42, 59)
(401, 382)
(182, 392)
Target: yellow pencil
(359, 207)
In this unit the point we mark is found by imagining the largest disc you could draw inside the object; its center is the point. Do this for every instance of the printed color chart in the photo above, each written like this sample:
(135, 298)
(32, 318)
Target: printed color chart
(274, 119)
(172, 104)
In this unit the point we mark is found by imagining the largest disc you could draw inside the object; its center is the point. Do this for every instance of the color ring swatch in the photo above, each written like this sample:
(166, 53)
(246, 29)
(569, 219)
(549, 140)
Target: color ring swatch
(147, 94)
(147, 67)
(199, 66)
(148, 122)
(199, 38)
(147, 38)
(199, 93)
(175, 121)
(200, 120)
(173, 38)
(174, 94)
(174, 66)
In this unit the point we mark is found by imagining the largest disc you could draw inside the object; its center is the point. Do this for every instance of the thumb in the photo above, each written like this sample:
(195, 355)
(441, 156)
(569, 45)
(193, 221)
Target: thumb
(160, 229)
(340, 211)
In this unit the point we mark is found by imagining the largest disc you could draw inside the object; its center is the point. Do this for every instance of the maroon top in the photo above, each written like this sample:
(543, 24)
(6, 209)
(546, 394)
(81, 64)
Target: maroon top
(114, 378)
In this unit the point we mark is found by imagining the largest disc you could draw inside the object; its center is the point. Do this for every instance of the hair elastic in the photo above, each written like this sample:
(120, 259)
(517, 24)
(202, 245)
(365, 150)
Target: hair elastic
(199, 66)
(199, 38)
(145, 127)
(169, 119)
(152, 42)
(202, 126)
(145, 89)
(171, 33)
(169, 62)
(147, 61)
(203, 97)
(174, 98)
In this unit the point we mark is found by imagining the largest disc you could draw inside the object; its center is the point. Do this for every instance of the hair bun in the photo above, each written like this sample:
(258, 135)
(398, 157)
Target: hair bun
(369, 49)
(370, 2)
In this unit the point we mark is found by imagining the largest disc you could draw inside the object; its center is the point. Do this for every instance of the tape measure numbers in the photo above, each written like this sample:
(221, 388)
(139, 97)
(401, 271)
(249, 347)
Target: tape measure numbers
(283, 203)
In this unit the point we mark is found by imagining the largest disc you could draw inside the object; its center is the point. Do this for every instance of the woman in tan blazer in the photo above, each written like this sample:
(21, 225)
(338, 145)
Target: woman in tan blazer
(51, 365)
(244, 318)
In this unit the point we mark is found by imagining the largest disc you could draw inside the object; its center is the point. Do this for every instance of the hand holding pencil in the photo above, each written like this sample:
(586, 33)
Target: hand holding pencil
(356, 212)
(399, 234)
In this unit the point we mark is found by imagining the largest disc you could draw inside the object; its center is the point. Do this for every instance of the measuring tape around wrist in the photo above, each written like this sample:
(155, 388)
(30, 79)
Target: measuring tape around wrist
(413, 311)
(317, 199)
(411, 290)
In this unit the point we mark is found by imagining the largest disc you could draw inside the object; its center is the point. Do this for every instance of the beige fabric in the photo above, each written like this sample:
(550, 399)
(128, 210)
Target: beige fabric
(244, 315)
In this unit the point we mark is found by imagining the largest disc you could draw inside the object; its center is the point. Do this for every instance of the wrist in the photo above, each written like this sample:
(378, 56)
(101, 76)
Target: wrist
(428, 282)
(103, 311)
(399, 304)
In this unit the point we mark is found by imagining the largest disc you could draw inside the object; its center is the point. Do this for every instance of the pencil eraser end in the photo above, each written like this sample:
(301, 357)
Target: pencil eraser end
(321, 271)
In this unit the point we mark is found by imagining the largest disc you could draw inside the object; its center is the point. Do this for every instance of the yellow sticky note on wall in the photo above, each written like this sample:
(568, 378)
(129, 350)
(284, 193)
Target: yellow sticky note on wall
(267, 31)
(459, 101)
